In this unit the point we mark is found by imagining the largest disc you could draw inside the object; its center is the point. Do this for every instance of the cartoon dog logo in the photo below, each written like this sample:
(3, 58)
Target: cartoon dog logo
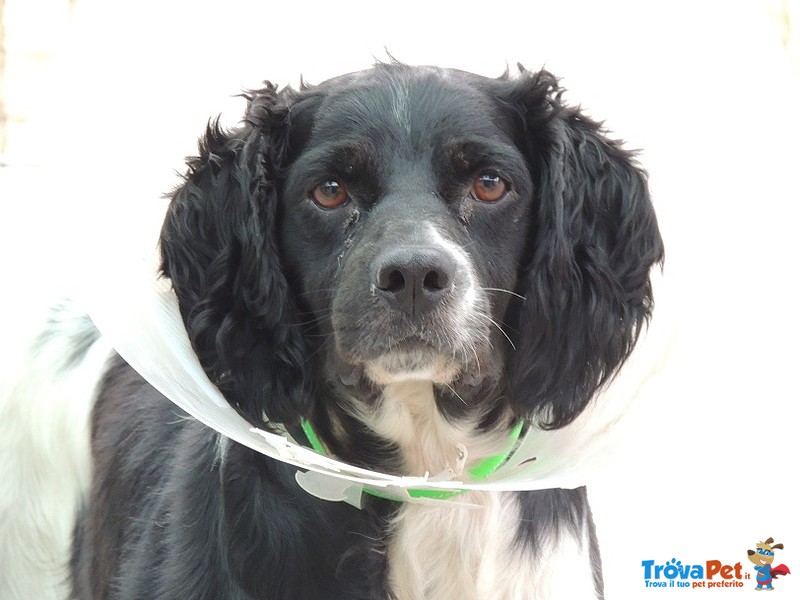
(762, 557)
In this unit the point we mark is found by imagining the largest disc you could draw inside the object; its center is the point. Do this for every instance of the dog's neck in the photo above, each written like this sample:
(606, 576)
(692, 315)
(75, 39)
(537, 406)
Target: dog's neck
(407, 414)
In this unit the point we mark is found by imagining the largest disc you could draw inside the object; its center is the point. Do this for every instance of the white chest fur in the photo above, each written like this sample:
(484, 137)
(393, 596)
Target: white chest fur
(448, 551)
(429, 443)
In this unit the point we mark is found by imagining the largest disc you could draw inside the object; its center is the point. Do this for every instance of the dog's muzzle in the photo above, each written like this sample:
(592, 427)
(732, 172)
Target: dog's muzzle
(408, 306)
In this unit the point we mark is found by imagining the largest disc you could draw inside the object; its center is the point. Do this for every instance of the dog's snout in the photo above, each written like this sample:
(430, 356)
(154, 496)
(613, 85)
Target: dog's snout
(414, 279)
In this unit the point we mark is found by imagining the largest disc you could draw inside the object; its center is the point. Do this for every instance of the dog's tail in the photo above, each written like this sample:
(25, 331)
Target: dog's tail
(44, 453)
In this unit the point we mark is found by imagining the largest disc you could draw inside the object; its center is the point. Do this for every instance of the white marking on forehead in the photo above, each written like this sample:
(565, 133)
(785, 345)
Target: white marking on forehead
(400, 107)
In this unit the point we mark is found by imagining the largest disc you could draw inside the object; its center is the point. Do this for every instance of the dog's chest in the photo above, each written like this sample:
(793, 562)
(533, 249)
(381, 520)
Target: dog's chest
(428, 442)
(468, 547)
(451, 552)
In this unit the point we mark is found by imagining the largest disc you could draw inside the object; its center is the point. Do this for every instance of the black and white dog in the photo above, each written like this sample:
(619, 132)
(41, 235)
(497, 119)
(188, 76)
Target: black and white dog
(413, 259)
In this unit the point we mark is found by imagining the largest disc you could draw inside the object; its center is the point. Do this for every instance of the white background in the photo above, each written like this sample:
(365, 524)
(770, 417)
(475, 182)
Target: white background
(706, 89)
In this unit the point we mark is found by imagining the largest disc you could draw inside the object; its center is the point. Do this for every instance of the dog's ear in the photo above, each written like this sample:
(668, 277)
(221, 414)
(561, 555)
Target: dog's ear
(219, 247)
(593, 242)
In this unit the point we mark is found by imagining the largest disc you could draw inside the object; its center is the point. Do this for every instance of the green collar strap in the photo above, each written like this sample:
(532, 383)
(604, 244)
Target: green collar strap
(478, 472)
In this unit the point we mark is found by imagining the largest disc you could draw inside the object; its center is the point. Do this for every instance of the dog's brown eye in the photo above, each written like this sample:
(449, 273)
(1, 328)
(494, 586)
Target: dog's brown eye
(489, 187)
(330, 194)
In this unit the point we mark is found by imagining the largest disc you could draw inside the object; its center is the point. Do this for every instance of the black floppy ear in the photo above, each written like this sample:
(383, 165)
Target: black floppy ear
(593, 243)
(219, 248)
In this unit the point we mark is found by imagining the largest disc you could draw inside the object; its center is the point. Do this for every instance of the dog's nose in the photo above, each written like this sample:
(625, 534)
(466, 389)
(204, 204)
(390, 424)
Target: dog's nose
(414, 279)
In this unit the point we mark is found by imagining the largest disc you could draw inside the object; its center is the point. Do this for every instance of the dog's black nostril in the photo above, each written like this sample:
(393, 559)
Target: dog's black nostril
(391, 280)
(436, 280)
(414, 279)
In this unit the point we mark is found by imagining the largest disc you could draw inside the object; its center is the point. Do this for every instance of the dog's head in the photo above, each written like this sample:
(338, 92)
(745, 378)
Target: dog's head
(409, 223)
(764, 554)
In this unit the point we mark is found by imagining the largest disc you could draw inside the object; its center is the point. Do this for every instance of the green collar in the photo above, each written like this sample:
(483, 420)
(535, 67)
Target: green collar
(479, 472)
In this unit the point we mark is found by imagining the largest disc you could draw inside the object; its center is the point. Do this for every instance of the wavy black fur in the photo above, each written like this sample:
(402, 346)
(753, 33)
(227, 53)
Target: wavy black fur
(587, 278)
(219, 250)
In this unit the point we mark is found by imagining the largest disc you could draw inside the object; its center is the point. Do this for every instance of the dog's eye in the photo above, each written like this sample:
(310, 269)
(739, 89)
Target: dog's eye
(489, 187)
(330, 194)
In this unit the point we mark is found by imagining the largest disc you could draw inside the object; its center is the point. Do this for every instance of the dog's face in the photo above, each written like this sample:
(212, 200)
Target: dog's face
(410, 223)
(403, 219)
(764, 554)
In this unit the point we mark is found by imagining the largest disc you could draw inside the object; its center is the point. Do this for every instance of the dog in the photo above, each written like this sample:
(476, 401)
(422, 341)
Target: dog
(412, 260)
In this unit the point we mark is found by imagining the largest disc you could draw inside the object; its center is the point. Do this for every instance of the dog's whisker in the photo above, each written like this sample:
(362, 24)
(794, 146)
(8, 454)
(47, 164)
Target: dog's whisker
(455, 393)
(322, 347)
(314, 321)
(504, 291)
(317, 336)
(468, 244)
(471, 347)
(499, 328)
(329, 290)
